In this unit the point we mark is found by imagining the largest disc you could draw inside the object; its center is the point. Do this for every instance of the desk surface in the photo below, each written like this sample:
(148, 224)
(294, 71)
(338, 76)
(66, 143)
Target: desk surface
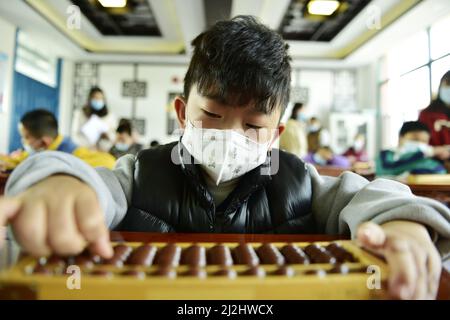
(429, 187)
(9, 254)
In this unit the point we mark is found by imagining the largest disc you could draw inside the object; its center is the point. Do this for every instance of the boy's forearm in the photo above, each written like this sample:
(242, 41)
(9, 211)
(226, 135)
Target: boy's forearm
(341, 204)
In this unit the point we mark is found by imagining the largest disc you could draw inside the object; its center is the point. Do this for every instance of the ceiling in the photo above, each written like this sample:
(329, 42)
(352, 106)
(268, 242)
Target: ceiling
(165, 28)
(135, 19)
(299, 25)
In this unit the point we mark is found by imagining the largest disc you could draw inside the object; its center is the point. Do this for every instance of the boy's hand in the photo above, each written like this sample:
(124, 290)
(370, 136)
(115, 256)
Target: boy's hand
(441, 152)
(57, 215)
(414, 263)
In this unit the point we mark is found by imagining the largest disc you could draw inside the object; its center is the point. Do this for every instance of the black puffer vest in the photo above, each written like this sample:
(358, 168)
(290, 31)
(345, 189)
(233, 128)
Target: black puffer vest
(170, 197)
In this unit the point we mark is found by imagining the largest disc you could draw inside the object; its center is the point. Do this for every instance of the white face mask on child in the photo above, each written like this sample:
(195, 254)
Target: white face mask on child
(223, 154)
(411, 146)
(29, 149)
(444, 94)
(318, 159)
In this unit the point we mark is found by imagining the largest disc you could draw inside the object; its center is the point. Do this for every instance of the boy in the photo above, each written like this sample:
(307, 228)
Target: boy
(39, 132)
(124, 141)
(216, 179)
(414, 154)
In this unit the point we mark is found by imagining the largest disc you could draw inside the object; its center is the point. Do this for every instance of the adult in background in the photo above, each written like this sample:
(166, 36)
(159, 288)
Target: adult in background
(94, 126)
(437, 115)
(293, 139)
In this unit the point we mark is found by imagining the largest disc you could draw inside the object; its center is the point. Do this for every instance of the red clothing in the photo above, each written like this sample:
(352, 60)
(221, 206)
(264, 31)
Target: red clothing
(359, 156)
(437, 118)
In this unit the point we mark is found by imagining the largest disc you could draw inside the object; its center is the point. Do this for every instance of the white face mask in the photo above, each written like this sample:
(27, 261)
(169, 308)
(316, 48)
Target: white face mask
(319, 160)
(29, 149)
(444, 95)
(122, 146)
(415, 146)
(314, 128)
(358, 145)
(104, 145)
(223, 154)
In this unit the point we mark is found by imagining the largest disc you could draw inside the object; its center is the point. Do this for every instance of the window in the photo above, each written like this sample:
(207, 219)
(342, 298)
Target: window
(439, 38)
(438, 69)
(404, 78)
(35, 61)
(409, 54)
(401, 99)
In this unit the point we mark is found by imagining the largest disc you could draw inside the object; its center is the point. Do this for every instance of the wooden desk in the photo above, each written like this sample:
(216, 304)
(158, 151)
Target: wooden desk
(330, 171)
(438, 192)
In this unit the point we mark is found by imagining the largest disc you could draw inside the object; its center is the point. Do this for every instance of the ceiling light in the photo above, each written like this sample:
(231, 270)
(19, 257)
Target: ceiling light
(322, 7)
(113, 3)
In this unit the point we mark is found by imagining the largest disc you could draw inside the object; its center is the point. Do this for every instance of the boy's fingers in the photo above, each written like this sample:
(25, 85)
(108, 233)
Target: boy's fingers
(371, 236)
(420, 257)
(8, 209)
(30, 228)
(102, 247)
(403, 271)
(91, 222)
(63, 235)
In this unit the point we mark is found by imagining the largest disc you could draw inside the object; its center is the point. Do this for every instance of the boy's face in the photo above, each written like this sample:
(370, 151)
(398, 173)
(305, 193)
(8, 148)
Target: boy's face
(35, 143)
(211, 114)
(418, 136)
(98, 96)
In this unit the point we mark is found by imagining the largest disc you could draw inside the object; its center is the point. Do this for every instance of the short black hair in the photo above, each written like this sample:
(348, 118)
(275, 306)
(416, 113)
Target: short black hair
(241, 61)
(446, 77)
(125, 127)
(297, 107)
(154, 143)
(413, 126)
(40, 123)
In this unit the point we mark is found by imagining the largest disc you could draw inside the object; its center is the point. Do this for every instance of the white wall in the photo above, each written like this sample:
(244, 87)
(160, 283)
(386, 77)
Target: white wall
(66, 97)
(159, 85)
(320, 84)
(153, 107)
(7, 44)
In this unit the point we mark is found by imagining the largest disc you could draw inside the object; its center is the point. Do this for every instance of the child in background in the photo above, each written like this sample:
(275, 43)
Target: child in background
(324, 156)
(125, 143)
(357, 152)
(414, 154)
(39, 132)
(235, 92)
